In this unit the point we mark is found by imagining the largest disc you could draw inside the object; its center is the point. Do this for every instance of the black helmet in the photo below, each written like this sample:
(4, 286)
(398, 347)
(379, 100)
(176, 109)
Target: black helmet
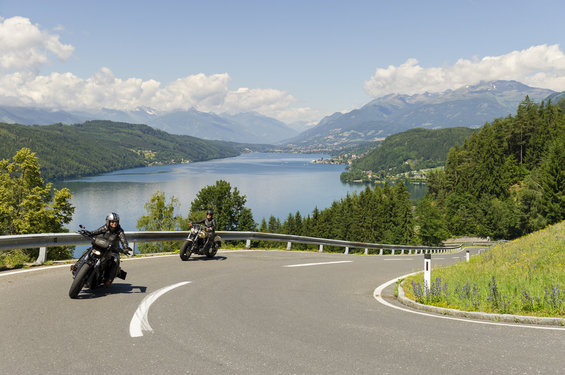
(112, 217)
(210, 212)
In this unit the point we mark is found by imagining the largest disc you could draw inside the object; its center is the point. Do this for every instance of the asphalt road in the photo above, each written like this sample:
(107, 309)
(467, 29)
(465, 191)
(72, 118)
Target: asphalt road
(247, 312)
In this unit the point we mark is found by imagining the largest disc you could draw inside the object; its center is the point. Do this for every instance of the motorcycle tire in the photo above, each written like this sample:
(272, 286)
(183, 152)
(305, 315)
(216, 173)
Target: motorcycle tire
(212, 250)
(79, 280)
(185, 250)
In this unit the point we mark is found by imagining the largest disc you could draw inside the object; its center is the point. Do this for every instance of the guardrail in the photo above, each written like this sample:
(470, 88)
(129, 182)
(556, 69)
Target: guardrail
(45, 240)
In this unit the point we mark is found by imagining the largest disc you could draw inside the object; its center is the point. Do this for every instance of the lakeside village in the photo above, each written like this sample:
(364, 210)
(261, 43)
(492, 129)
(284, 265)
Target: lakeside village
(363, 177)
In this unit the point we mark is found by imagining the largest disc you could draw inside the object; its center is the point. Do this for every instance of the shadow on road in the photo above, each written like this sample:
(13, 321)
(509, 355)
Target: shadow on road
(205, 258)
(115, 288)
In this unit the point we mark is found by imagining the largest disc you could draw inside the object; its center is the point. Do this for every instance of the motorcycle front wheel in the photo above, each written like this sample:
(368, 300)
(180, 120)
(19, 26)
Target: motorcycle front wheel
(186, 250)
(79, 280)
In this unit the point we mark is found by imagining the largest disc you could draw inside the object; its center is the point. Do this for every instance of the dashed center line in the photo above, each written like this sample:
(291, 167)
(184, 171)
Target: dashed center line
(318, 264)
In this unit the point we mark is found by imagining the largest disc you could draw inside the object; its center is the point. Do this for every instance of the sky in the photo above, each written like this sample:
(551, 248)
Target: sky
(296, 61)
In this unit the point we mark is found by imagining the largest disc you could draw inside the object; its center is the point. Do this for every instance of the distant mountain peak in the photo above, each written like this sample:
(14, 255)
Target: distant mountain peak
(468, 106)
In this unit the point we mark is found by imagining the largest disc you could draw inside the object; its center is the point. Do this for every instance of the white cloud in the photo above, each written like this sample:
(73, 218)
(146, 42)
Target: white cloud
(24, 45)
(537, 66)
(103, 90)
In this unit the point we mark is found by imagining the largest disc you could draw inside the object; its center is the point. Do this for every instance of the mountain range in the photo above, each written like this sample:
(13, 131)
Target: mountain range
(247, 127)
(469, 106)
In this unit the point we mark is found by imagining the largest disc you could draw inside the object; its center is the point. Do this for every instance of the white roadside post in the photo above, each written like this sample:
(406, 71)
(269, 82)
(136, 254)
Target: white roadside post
(467, 256)
(42, 257)
(427, 272)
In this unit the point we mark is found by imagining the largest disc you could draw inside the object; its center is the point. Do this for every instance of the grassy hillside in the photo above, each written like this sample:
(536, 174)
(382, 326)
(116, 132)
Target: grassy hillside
(523, 277)
(102, 146)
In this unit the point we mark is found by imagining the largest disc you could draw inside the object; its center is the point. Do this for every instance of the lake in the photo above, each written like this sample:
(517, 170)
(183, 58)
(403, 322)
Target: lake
(274, 184)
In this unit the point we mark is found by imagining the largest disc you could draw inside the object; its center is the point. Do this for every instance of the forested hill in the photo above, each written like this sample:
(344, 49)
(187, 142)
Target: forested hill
(96, 147)
(411, 150)
(506, 180)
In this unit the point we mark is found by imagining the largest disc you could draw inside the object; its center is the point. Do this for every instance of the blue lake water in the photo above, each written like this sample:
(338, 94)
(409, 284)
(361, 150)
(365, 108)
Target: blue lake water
(274, 184)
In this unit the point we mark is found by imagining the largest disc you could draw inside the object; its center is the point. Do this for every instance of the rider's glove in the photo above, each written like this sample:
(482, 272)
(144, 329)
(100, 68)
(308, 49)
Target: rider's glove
(128, 251)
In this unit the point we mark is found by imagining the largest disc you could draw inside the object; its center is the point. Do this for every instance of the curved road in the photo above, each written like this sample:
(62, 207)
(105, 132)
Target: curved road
(248, 312)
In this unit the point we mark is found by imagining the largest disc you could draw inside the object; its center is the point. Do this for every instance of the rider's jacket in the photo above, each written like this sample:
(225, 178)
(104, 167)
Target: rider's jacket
(209, 224)
(115, 237)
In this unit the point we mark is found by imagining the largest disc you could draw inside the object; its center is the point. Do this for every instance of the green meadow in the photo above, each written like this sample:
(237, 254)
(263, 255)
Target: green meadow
(522, 277)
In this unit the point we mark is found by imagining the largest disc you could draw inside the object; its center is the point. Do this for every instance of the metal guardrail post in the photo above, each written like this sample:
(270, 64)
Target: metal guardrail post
(321, 248)
(248, 244)
(289, 245)
(346, 250)
(42, 255)
(366, 251)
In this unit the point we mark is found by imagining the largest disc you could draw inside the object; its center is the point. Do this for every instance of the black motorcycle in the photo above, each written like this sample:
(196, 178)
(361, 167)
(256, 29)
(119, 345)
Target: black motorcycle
(201, 241)
(93, 267)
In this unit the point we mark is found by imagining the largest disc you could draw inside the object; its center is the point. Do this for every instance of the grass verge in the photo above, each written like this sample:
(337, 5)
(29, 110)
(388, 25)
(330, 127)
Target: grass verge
(522, 277)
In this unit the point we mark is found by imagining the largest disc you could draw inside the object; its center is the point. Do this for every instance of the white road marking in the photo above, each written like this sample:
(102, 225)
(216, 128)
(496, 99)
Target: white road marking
(318, 264)
(39, 268)
(398, 258)
(139, 322)
(378, 296)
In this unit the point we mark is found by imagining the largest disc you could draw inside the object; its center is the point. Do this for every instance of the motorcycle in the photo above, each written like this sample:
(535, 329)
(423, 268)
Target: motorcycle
(200, 241)
(93, 267)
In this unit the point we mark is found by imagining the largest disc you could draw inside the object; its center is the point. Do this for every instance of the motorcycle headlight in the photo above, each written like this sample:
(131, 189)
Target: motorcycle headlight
(96, 252)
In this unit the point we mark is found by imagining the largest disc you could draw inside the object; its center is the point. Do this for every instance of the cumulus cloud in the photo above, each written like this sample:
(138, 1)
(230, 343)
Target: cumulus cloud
(537, 66)
(24, 45)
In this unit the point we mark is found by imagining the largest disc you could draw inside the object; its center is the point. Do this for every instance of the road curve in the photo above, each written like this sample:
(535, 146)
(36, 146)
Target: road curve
(248, 312)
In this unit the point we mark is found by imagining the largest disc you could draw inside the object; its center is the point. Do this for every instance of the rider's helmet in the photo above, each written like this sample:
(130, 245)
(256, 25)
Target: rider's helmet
(210, 212)
(112, 217)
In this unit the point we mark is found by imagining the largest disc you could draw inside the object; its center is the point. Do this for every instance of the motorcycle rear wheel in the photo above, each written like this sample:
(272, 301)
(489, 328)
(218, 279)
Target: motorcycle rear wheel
(79, 280)
(185, 250)
(212, 250)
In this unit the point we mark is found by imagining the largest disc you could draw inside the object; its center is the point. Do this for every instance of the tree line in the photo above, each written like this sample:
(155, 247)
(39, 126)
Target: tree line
(96, 147)
(412, 150)
(506, 180)
(377, 215)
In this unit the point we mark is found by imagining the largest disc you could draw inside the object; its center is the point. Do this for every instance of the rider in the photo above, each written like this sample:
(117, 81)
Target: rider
(209, 223)
(113, 232)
